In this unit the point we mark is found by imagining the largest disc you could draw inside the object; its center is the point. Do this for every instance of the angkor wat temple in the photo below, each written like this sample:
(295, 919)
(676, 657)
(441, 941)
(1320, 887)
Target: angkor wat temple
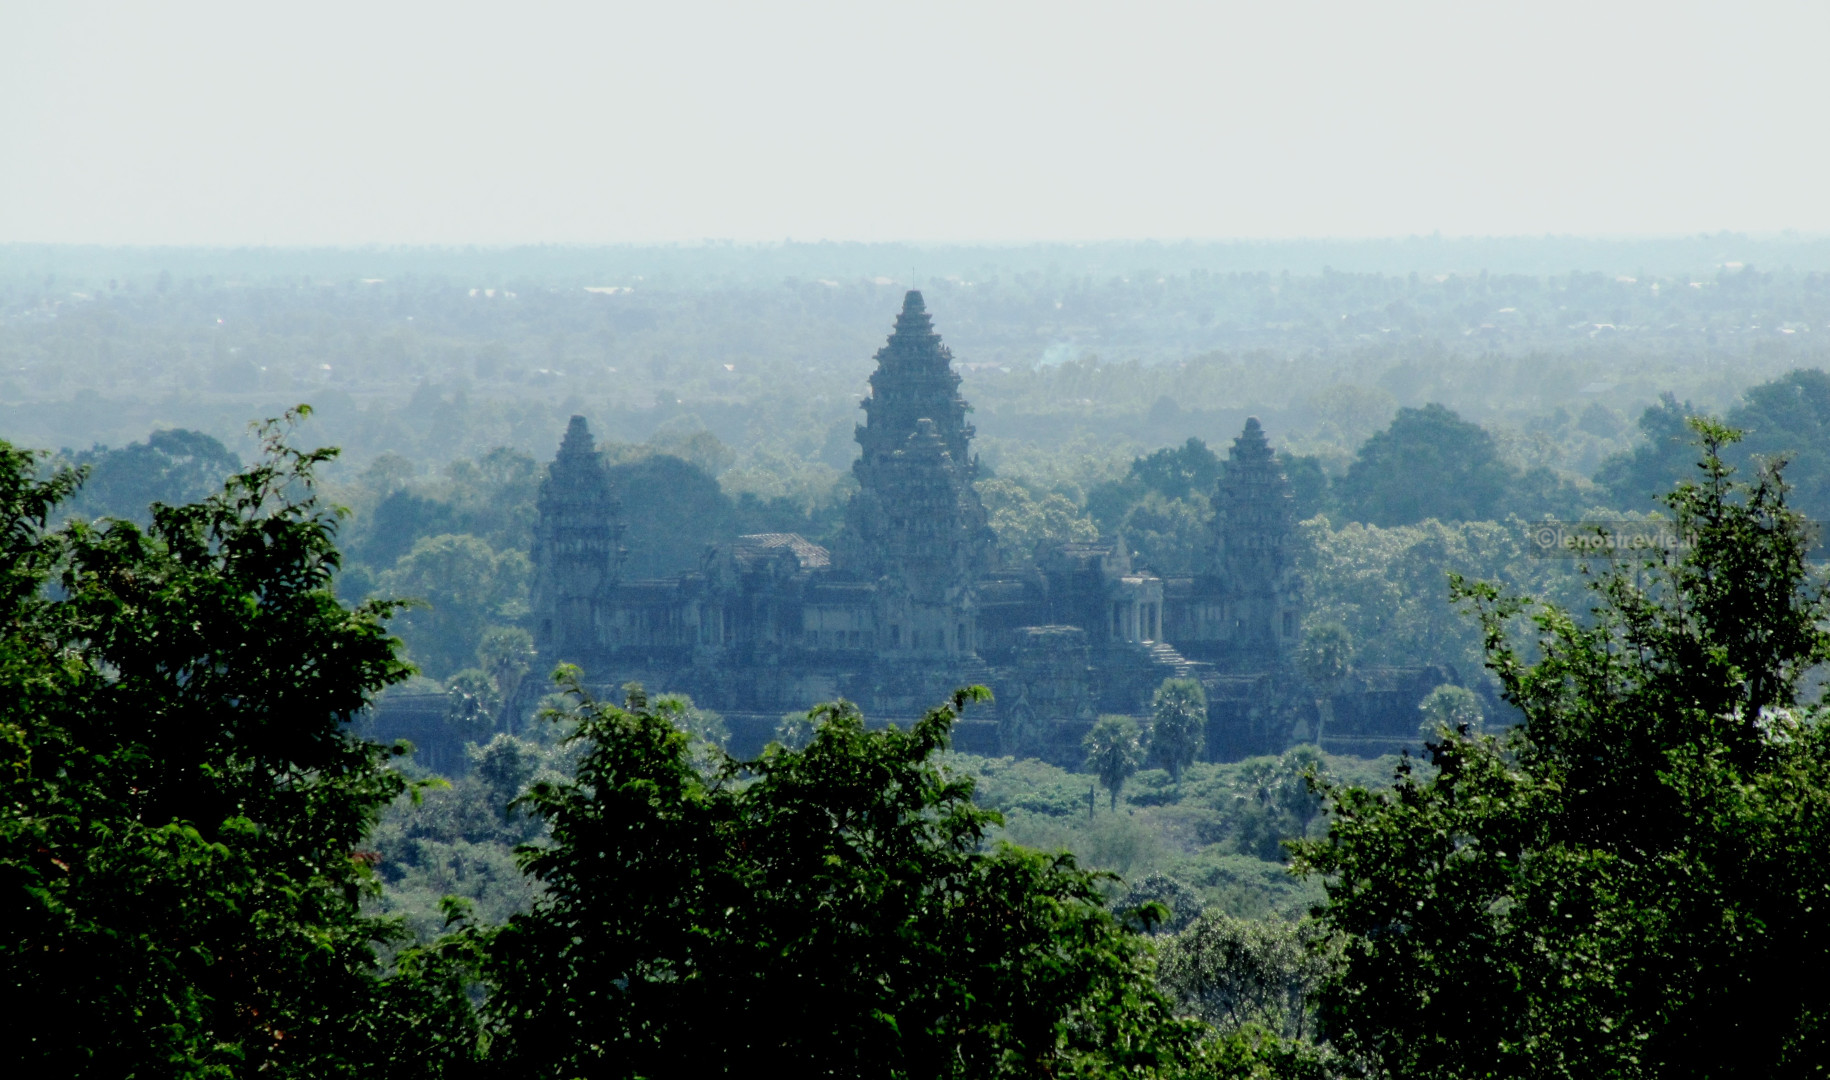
(913, 599)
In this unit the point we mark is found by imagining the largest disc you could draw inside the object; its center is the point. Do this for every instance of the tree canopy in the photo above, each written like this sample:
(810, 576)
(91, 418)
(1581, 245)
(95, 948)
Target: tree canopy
(838, 912)
(186, 803)
(1115, 748)
(1626, 884)
(1430, 463)
(172, 466)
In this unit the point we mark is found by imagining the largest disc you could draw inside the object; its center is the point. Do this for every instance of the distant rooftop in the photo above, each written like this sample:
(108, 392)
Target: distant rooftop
(811, 555)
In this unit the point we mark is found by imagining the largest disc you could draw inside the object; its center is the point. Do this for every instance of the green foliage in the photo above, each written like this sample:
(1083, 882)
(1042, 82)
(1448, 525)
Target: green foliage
(173, 466)
(1178, 724)
(837, 911)
(1024, 520)
(186, 802)
(1178, 472)
(1278, 800)
(683, 511)
(1430, 463)
(1159, 904)
(1626, 885)
(472, 702)
(1390, 587)
(1235, 974)
(1170, 536)
(1308, 484)
(1325, 654)
(1020, 784)
(685, 440)
(1789, 418)
(456, 839)
(795, 730)
(463, 588)
(1453, 709)
(1666, 457)
(507, 654)
(1784, 418)
(1115, 749)
(1347, 414)
(490, 497)
(1221, 830)
(702, 724)
(1162, 507)
(1110, 500)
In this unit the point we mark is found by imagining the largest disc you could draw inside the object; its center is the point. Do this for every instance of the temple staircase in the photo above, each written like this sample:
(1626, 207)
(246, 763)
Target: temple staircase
(1164, 656)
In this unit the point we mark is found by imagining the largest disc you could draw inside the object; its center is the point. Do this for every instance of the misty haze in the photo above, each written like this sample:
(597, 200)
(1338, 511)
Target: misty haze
(1014, 540)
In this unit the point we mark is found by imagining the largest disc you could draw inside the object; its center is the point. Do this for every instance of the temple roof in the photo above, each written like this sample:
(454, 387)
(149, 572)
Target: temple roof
(810, 555)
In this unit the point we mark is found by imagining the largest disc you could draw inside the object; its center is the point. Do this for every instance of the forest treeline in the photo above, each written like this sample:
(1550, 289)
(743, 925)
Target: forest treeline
(458, 543)
(1426, 493)
(1621, 885)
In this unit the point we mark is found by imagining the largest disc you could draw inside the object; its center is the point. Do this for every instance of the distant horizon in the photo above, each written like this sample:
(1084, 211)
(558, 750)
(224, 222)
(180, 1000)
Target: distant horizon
(911, 262)
(1758, 235)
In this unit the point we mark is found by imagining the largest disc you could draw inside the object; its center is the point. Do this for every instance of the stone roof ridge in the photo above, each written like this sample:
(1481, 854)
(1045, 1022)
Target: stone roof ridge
(810, 555)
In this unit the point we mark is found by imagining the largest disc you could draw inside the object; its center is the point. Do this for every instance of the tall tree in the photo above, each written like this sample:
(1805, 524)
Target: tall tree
(1178, 724)
(1637, 477)
(172, 466)
(462, 589)
(1628, 884)
(1325, 658)
(1790, 417)
(1430, 463)
(835, 912)
(1114, 748)
(1176, 472)
(185, 799)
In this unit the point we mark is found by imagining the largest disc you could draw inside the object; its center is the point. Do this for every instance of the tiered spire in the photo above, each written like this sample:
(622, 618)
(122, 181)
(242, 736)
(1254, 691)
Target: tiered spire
(914, 380)
(575, 543)
(916, 506)
(1249, 565)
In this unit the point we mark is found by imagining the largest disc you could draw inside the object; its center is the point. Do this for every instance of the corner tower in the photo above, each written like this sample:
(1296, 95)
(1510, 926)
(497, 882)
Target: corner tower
(575, 547)
(1251, 574)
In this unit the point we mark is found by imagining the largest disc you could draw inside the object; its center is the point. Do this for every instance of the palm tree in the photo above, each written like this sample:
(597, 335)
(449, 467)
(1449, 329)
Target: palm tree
(1178, 724)
(1114, 751)
(1326, 659)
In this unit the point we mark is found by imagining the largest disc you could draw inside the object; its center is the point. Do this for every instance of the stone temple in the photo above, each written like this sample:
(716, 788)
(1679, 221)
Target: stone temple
(912, 601)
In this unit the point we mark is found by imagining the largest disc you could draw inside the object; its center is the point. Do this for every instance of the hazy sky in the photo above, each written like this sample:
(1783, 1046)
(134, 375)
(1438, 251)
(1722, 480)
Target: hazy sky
(507, 122)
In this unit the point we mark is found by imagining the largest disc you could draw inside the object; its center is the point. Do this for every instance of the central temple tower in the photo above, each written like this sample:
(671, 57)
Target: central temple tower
(916, 525)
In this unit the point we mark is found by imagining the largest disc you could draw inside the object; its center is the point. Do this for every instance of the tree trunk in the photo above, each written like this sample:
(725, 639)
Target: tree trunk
(1324, 712)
